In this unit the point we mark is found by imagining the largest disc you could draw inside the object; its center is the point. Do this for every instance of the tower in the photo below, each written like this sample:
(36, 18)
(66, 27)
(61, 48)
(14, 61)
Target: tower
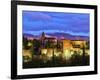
(43, 39)
(43, 36)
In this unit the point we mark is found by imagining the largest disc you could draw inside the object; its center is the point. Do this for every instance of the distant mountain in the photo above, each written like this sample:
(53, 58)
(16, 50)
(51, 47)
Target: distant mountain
(27, 35)
(60, 36)
(30, 35)
(68, 36)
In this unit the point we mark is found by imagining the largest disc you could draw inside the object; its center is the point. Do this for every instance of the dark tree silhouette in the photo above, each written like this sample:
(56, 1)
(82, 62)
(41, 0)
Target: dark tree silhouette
(36, 47)
(87, 44)
(25, 43)
(83, 56)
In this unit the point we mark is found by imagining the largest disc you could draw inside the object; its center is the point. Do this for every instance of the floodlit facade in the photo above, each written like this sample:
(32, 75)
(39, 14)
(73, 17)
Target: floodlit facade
(65, 48)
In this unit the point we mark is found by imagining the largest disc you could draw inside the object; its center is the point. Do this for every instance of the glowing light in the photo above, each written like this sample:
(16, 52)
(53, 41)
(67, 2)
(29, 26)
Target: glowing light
(67, 54)
(49, 53)
(87, 52)
(57, 54)
(27, 55)
(29, 44)
(80, 52)
(44, 51)
(72, 52)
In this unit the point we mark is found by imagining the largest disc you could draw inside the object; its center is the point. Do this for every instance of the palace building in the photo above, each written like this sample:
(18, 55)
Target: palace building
(52, 46)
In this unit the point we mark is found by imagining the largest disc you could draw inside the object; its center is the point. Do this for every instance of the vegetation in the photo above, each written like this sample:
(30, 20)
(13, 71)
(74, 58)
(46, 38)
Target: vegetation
(38, 60)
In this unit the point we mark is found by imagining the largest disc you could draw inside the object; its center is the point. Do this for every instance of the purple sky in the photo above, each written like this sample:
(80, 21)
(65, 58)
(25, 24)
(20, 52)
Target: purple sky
(50, 22)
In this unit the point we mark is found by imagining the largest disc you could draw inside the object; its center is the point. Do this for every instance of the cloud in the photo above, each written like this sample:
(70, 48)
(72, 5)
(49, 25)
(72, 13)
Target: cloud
(56, 21)
(35, 16)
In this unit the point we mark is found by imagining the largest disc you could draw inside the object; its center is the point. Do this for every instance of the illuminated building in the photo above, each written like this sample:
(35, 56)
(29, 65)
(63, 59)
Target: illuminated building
(50, 46)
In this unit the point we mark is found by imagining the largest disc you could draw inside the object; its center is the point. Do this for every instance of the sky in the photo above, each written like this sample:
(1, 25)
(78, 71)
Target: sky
(36, 22)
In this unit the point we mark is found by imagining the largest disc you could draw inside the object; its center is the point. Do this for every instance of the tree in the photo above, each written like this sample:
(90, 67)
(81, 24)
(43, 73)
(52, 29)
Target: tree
(36, 47)
(25, 43)
(83, 56)
(87, 44)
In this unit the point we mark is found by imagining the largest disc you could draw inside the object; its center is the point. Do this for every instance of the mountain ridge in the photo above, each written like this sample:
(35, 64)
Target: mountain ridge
(59, 35)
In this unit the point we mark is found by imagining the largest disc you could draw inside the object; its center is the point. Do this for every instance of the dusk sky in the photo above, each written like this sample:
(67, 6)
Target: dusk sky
(50, 22)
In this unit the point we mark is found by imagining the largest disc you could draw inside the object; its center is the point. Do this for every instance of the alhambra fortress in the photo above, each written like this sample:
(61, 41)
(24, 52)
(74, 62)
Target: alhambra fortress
(49, 46)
